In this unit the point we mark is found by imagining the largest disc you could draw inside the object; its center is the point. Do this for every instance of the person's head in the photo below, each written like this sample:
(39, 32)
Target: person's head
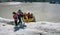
(28, 12)
(14, 12)
(19, 10)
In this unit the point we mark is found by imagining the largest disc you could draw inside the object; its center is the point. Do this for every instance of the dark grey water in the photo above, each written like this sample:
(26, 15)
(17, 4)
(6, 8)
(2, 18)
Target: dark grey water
(41, 11)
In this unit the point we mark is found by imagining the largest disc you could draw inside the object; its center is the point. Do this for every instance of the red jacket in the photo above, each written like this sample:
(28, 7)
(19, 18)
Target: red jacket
(15, 16)
(29, 14)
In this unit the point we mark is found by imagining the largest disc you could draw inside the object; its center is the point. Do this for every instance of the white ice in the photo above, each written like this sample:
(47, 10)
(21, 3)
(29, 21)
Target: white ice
(32, 28)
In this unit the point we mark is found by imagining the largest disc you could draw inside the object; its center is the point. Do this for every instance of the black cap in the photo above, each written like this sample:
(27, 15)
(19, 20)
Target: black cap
(14, 13)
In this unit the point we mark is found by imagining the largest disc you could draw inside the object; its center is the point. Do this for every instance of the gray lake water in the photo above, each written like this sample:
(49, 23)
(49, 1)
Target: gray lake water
(42, 11)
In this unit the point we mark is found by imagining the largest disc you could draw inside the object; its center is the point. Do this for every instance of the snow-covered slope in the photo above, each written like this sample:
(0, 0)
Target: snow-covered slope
(32, 28)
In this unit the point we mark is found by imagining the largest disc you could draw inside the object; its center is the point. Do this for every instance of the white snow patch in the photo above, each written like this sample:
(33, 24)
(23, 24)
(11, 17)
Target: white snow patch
(33, 28)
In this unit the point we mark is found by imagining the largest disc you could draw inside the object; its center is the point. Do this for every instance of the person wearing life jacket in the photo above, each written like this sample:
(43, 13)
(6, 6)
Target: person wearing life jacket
(15, 18)
(20, 15)
(29, 15)
(24, 15)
